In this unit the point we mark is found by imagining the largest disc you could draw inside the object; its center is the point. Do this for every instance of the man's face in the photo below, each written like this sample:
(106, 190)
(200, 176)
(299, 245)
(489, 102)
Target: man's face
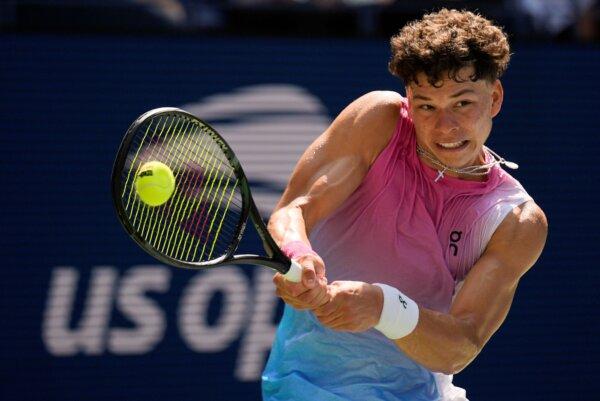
(453, 121)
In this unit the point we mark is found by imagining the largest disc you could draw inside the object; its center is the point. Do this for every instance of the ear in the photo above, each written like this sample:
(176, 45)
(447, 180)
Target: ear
(497, 98)
(408, 98)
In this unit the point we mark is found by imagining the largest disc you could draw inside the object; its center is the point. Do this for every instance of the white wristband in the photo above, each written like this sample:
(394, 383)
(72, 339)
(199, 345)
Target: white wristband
(399, 315)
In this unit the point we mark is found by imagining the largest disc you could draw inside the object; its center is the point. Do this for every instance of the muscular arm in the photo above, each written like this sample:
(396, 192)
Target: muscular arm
(327, 173)
(334, 165)
(449, 342)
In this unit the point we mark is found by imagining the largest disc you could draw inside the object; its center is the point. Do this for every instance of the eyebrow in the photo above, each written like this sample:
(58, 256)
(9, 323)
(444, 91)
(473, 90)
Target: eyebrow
(457, 94)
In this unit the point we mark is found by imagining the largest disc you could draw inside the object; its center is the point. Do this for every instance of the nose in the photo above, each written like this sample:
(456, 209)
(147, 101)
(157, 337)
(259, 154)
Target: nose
(445, 122)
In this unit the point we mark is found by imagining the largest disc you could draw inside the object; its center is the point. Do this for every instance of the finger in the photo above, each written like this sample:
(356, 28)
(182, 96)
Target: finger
(327, 320)
(323, 298)
(310, 299)
(327, 309)
(329, 312)
(295, 304)
(304, 300)
(317, 263)
(319, 266)
(308, 273)
(287, 287)
(316, 297)
(290, 300)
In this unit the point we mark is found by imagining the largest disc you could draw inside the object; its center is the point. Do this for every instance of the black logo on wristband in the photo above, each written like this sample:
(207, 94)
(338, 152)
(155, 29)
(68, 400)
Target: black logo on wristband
(402, 301)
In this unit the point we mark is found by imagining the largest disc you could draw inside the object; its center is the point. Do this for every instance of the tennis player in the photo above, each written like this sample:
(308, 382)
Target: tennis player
(424, 235)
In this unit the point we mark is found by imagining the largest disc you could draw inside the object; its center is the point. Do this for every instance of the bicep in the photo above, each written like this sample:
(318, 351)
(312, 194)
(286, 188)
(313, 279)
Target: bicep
(323, 178)
(488, 290)
(335, 164)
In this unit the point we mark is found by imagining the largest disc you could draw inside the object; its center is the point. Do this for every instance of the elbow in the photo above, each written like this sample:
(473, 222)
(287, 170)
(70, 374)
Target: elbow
(467, 353)
(455, 367)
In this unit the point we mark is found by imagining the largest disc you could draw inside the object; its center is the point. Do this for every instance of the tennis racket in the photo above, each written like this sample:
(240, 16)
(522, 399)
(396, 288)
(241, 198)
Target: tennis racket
(201, 224)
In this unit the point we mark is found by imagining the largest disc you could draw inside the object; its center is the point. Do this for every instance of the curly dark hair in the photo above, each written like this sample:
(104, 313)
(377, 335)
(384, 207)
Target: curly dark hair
(447, 41)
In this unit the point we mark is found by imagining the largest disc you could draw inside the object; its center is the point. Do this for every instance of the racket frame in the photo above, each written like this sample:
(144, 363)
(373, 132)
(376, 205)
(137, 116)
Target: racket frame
(275, 259)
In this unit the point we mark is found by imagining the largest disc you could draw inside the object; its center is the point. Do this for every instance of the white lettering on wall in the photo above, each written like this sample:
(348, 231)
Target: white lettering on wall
(246, 314)
(193, 309)
(148, 317)
(88, 335)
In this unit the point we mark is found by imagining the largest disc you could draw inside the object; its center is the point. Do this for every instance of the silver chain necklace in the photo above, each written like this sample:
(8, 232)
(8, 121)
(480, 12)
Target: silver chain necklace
(477, 170)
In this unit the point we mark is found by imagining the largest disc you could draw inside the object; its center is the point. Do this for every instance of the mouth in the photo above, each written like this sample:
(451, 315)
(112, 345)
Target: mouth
(452, 146)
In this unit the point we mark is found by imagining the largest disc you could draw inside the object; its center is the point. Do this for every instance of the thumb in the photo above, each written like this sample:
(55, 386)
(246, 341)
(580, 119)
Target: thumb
(308, 273)
(319, 267)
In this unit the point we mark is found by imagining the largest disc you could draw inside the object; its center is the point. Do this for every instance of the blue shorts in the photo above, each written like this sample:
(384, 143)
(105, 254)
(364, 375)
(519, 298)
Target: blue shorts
(311, 362)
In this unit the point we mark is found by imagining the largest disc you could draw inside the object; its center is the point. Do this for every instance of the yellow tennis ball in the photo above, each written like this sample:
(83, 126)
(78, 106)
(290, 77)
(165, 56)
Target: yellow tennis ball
(154, 183)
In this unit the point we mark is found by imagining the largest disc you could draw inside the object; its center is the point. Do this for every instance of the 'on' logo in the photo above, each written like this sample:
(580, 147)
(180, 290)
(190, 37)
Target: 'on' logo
(454, 238)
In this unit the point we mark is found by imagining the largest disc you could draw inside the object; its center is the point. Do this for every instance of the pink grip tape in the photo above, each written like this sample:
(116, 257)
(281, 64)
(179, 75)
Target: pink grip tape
(297, 249)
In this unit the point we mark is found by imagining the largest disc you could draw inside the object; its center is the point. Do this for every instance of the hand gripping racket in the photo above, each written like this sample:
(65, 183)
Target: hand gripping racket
(202, 222)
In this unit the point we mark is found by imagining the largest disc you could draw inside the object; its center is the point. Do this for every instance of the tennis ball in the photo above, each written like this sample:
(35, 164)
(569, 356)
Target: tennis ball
(154, 183)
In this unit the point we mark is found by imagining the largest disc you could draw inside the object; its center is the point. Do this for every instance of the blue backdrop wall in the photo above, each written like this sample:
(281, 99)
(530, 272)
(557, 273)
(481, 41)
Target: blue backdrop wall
(86, 315)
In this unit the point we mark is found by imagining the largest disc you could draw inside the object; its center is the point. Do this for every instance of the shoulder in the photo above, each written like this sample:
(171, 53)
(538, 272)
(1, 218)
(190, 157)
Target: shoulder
(520, 238)
(381, 100)
(378, 107)
(526, 221)
(370, 121)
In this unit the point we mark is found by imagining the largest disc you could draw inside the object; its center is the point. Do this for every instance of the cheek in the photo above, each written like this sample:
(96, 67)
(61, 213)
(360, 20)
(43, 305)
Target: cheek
(476, 119)
(422, 121)
(422, 129)
(482, 128)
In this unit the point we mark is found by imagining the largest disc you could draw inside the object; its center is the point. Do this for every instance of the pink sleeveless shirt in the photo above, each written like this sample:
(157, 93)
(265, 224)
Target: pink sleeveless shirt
(402, 228)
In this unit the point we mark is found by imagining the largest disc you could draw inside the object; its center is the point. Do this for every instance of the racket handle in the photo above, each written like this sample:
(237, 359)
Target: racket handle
(295, 273)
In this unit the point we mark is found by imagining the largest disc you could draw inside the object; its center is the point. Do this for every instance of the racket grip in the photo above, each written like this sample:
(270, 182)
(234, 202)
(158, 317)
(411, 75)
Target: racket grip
(295, 273)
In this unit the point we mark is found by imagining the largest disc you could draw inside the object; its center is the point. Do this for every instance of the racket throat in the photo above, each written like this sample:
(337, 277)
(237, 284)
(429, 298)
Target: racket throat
(260, 260)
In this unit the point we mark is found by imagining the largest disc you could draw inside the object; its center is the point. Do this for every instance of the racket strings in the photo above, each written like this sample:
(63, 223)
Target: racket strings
(178, 204)
(164, 235)
(159, 223)
(198, 182)
(155, 142)
(182, 207)
(155, 154)
(199, 221)
(209, 157)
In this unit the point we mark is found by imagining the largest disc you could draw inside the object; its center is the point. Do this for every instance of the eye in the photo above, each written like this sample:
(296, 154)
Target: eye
(426, 107)
(463, 103)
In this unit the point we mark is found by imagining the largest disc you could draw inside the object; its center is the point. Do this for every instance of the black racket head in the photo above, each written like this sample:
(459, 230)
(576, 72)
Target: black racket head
(200, 225)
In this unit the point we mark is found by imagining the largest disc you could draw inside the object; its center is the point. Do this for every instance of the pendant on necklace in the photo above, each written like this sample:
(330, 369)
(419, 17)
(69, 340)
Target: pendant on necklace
(440, 175)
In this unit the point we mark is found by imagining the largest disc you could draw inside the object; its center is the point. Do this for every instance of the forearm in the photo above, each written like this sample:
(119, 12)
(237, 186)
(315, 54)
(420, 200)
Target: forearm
(441, 342)
(287, 224)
